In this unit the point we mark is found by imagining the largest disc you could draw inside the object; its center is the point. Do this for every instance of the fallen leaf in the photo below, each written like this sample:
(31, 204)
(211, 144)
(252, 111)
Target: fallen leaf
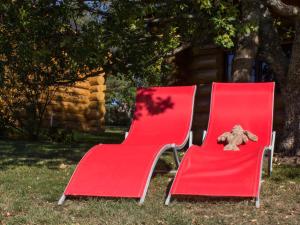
(8, 214)
(62, 166)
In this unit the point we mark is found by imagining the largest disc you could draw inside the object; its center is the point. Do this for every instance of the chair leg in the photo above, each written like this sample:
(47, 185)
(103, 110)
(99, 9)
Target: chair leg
(167, 202)
(61, 200)
(204, 135)
(257, 202)
(190, 138)
(176, 158)
(270, 163)
(271, 153)
(142, 199)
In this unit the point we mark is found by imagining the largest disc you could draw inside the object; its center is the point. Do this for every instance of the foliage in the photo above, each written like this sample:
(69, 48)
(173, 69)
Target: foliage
(60, 135)
(119, 102)
(43, 44)
(143, 33)
(46, 43)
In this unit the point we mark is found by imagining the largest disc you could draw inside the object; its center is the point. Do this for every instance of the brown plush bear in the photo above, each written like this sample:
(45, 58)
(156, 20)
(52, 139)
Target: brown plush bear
(236, 137)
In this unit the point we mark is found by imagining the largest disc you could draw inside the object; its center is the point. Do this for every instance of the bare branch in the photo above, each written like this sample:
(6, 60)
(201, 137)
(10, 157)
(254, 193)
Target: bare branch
(181, 48)
(283, 9)
(82, 78)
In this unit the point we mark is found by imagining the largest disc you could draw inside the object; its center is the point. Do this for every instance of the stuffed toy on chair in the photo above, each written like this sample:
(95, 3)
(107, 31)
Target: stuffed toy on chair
(236, 137)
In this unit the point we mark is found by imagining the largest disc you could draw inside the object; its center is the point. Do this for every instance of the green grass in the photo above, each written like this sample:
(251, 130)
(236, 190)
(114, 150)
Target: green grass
(34, 175)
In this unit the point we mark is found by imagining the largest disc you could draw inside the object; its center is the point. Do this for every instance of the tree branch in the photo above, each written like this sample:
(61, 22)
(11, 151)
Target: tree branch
(283, 9)
(84, 76)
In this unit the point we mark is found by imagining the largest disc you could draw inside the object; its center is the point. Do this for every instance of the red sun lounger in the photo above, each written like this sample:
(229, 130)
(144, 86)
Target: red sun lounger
(208, 170)
(162, 120)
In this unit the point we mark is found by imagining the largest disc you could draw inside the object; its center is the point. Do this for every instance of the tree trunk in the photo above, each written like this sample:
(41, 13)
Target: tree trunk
(248, 41)
(291, 133)
(270, 50)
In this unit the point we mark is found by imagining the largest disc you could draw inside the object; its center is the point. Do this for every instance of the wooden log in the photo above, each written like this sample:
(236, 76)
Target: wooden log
(200, 119)
(71, 106)
(66, 117)
(207, 50)
(203, 90)
(100, 107)
(95, 123)
(96, 104)
(202, 105)
(93, 115)
(99, 80)
(71, 99)
(83, 85)
(97, 96)
(97, 88)
(73, 91)
(205, 76)
(203, 62)
(67, 99)
(67, 107)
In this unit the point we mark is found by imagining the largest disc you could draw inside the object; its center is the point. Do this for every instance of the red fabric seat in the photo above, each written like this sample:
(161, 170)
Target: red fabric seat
(208, 170)
(162, 120)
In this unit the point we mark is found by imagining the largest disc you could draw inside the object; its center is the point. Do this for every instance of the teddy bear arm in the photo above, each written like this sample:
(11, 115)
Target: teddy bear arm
(245, 139)
(225, 136)
(251, 136)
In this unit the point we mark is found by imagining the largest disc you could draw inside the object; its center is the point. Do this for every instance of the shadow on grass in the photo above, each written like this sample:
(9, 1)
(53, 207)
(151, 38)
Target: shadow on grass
(210, 199)
(101, 198)
(53, 155)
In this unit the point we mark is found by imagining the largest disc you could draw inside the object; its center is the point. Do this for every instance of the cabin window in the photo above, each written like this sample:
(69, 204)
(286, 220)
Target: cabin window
(261, 71)
(229, 65)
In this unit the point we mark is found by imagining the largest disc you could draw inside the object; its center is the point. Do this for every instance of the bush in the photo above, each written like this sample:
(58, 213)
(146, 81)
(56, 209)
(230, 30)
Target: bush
(60, 135)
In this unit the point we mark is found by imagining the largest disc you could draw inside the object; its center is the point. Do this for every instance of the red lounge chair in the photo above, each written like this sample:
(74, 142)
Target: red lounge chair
(162, 120)
(208, 170)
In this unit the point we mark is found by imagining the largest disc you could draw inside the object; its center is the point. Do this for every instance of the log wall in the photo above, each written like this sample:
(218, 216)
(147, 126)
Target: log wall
(200, 66)
(80, 107)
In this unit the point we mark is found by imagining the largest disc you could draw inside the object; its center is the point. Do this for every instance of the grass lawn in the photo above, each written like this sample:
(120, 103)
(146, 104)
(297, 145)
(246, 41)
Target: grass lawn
(33, 177)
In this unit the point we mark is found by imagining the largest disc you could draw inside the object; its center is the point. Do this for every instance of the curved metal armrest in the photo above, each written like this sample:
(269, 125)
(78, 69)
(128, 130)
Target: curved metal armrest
(271, 153)
(204, 135)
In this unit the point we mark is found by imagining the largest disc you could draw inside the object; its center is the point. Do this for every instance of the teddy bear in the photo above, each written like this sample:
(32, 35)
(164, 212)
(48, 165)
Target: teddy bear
(236, 137)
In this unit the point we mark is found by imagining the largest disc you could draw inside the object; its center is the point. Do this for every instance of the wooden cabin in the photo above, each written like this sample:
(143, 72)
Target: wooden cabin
(79, 107)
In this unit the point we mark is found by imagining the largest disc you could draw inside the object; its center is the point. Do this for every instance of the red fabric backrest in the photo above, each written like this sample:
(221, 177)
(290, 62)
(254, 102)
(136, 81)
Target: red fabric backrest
(163, 115)
(247, 104)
